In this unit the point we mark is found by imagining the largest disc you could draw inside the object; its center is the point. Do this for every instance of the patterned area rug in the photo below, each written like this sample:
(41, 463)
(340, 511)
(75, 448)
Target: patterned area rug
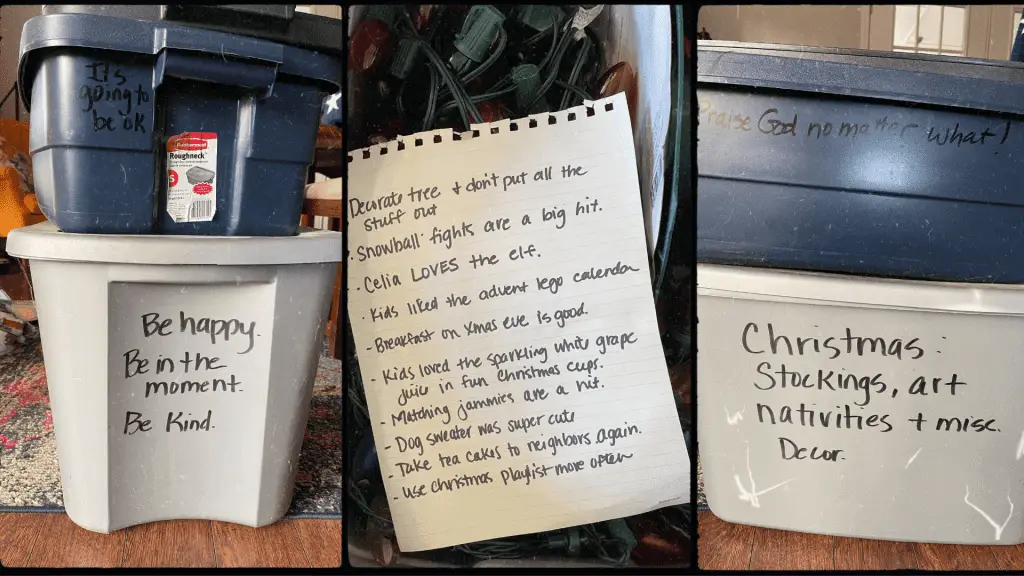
(702, 500)
(30, 478)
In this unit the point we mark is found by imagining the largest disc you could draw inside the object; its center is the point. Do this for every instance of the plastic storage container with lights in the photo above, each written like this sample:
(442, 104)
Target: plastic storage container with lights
(120, 106)
(860, 292)
(180, 368)
(642, 36)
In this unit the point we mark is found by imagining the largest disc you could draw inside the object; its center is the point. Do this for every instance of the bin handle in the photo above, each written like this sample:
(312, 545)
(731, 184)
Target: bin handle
(231, 45)
(239, 61)
(256, 75)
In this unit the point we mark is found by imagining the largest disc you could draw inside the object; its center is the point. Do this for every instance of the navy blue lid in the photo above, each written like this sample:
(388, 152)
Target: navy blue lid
(991, 85)
(152, 37)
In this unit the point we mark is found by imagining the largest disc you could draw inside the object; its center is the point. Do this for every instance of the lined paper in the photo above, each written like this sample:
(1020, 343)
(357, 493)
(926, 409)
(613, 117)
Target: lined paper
(501, 304)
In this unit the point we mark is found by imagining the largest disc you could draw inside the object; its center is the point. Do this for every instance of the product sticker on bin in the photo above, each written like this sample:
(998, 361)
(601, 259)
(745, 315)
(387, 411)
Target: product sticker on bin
(191, 176)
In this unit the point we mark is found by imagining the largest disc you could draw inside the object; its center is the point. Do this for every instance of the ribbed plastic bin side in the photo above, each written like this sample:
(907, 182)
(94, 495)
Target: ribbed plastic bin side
(106, 95)
(861, 162)
(180, 369)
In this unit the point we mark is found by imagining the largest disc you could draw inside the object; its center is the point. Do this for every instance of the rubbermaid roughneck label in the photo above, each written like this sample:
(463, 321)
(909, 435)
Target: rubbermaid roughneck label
(192, 176)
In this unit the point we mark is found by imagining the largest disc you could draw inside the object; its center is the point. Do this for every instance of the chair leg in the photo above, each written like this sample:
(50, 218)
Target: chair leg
(334, 325)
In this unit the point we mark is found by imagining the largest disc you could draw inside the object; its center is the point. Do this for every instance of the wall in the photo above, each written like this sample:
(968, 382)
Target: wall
(989, 31)
(12, 18)
(330, 11)
(836, 26)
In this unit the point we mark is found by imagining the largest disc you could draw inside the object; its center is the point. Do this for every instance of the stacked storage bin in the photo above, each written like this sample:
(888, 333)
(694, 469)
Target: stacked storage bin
(171, 146)
(859, 231)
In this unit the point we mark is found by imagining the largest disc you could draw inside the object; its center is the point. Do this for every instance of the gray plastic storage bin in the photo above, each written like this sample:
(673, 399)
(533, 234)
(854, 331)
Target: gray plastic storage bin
(122, 108)
(275, 22)
(872, 163)
(809, 419)
(180, 368)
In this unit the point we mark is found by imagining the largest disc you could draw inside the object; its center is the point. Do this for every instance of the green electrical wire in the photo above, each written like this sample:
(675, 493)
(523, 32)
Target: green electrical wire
(574, 74)
(467, 111)
(573, 89)
(449, 106)
(428, 116)
(553, 66)
(672, 209)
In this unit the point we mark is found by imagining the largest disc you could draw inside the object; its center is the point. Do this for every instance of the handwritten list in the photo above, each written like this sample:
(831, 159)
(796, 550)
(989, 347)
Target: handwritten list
(500, 301)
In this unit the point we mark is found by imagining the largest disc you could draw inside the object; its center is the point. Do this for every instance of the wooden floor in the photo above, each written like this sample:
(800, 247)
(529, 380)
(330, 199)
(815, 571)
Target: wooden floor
(53, 541)
(725, 546)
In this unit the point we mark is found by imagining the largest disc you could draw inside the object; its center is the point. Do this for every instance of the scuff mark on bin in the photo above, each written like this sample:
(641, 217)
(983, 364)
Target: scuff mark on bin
(733, 419)
(909, 462)
(999, 528)
(753, 494)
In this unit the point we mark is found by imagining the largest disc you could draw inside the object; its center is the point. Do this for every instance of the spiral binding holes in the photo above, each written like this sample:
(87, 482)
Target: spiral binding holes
(513, 126)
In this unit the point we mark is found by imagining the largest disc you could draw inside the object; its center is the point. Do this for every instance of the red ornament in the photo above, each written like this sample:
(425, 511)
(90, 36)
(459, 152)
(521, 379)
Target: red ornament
(620, 78)
(370, 46)
(393, 127)
(423, 16)
(658, 545)
(491, 111)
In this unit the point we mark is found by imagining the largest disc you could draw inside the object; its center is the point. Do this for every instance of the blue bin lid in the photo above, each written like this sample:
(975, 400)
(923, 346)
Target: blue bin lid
(990, 85)
(152, 37)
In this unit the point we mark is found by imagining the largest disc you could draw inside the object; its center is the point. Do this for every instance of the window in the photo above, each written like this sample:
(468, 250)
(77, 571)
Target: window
(929, 29)
(1016, 24)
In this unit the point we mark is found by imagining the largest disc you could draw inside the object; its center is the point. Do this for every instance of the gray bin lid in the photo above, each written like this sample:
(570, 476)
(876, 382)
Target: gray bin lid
(990, 85)
(44, 242)
(197, 174)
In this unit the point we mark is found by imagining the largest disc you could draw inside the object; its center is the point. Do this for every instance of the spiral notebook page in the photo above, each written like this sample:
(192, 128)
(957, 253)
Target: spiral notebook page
(500, 299)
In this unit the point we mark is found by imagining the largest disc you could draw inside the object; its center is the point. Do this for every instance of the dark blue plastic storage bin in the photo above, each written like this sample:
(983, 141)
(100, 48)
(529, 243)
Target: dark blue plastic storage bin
(106, 94)
(885, 164)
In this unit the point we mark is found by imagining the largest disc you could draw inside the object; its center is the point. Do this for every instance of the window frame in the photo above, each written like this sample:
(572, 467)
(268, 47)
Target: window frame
(916, 48)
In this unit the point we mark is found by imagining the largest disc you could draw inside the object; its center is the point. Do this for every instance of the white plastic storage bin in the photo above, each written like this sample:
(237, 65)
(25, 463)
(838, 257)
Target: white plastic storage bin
(180, 368)
(873, 408)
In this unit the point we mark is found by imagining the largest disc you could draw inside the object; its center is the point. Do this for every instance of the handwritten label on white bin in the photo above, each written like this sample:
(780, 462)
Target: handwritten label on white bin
(893, 423)
(188, 370)
(503, 316)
